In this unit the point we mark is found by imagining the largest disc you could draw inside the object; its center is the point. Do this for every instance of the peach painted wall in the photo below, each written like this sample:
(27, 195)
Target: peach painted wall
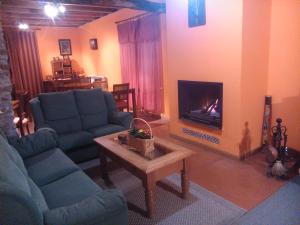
(255, 59)
(106, 60)
(207, 53)
(284, 66)
(47, 38)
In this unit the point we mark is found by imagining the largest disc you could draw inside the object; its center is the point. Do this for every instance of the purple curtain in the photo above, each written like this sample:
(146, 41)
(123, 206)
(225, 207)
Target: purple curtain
(141, 60)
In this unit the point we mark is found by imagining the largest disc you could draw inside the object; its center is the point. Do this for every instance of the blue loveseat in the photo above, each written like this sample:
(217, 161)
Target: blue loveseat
(40, 185)
(78, 117)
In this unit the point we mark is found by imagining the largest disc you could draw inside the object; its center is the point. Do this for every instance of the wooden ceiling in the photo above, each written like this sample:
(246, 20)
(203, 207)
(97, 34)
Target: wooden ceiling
(78, 12)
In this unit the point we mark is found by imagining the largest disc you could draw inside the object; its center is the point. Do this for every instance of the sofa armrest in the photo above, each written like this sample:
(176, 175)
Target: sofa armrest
(121, 118)
(42, 140)
(104, 208)
(37, 112)
(17, 207)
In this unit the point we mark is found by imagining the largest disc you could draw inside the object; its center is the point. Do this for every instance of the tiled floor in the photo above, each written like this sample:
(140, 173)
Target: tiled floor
(242, 182)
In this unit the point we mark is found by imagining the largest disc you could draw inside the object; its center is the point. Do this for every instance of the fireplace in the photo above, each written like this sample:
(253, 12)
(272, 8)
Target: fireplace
(201, 102)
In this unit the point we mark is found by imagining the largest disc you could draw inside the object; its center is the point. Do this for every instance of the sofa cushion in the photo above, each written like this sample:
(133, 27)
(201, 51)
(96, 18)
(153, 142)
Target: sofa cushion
(37, 196)
(49, 166)
(60, 111)
(33, 144)
(75, 140)
(84, 153)
(105, 130)
(69, 190)
(106, 207)
(11, 174)
(12, 154)
(92, 108)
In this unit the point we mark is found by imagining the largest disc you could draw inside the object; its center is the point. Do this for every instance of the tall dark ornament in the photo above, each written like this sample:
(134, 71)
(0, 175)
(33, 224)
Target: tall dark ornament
(266, 127)
(197, 13)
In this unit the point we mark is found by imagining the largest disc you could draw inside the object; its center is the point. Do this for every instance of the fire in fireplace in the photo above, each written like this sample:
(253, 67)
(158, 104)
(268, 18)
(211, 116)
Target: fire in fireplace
(201, 102)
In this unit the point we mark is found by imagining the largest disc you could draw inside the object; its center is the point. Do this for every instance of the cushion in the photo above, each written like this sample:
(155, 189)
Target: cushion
(49, 166)
(105, 130)
(92, 108)
(84, 153)
(12, 154)
(42, 140)
(60, 111)
(37, 196)
(110, 102)
(75, 140)
(11, 174)
(106, 208)
(69, 190)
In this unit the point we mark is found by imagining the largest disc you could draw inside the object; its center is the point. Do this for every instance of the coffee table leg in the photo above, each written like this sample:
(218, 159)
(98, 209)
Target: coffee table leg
(149, 185)
(103, 165)
(185, 183)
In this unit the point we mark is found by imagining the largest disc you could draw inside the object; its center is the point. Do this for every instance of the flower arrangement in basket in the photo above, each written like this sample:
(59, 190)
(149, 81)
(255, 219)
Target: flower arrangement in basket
(142, 141)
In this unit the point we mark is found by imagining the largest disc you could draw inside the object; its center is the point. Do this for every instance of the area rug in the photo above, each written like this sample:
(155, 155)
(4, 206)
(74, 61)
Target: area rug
(201, 207)
(281, 208)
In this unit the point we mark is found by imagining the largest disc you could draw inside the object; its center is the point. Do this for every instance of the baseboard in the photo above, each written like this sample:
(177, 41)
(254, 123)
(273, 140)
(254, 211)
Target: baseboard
(205, 147)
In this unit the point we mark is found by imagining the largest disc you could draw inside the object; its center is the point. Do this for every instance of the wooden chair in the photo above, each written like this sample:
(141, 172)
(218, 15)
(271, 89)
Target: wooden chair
(21, 119)
(122, 100)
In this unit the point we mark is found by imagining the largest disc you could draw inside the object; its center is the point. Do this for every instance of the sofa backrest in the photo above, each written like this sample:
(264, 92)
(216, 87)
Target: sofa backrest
(21, 200)
(91, 107)
(60, 111)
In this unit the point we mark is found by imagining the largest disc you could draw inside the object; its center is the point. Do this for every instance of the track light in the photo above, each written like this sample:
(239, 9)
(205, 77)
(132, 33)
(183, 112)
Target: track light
(51, 11)
(61, 9)
(23, 26)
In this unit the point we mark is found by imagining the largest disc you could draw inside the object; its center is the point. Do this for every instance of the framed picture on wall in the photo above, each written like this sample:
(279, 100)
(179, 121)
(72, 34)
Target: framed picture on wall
(65, 46)
(197, 13)
(94, 44)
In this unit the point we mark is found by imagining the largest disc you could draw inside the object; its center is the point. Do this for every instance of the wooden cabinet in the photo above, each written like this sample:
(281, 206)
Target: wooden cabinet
(61, 68)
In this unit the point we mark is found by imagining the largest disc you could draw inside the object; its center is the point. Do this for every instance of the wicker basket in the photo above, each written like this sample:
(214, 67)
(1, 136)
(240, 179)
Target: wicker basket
(144, 146)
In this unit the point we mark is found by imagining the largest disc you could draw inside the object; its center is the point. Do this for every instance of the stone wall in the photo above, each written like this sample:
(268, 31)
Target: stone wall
(6, 113)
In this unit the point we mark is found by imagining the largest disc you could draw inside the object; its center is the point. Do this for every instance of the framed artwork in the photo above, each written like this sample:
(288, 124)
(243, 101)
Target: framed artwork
(94, 44)
(197, 13)
(65, 46)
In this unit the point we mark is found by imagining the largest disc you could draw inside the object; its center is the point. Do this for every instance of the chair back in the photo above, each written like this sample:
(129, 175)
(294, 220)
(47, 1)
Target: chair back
(23, 97)
(121, 87)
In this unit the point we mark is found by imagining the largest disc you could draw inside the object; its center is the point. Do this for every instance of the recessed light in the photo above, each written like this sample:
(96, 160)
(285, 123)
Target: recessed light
(51, 11)
(23, 26)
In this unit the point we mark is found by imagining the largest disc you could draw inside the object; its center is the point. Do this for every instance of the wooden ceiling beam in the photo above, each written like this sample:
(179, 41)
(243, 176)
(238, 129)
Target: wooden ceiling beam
(40, 23)
(12, 8)
(39, 12)
(68, 3)
(118, 4)
(31, 20)
(67, 15)
(42, 16)
(35, 27)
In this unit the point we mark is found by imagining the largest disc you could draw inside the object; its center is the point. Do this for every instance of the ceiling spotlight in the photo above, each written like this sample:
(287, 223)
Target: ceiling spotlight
(23, 26)
(61, 8)
(51, 11)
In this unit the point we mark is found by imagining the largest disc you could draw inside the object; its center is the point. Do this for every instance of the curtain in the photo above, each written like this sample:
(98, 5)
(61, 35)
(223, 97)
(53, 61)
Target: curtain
(24, 61)
(141, 60)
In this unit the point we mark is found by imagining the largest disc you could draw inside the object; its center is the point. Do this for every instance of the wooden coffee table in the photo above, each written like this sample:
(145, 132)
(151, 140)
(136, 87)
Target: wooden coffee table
(170, 158)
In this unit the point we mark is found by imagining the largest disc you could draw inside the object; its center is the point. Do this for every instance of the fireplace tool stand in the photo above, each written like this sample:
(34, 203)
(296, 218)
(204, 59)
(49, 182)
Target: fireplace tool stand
(279, 140)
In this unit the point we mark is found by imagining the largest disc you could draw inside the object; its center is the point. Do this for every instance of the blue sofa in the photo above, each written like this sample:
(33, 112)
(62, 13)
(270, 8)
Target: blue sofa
(78, 117)
(39, 185)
